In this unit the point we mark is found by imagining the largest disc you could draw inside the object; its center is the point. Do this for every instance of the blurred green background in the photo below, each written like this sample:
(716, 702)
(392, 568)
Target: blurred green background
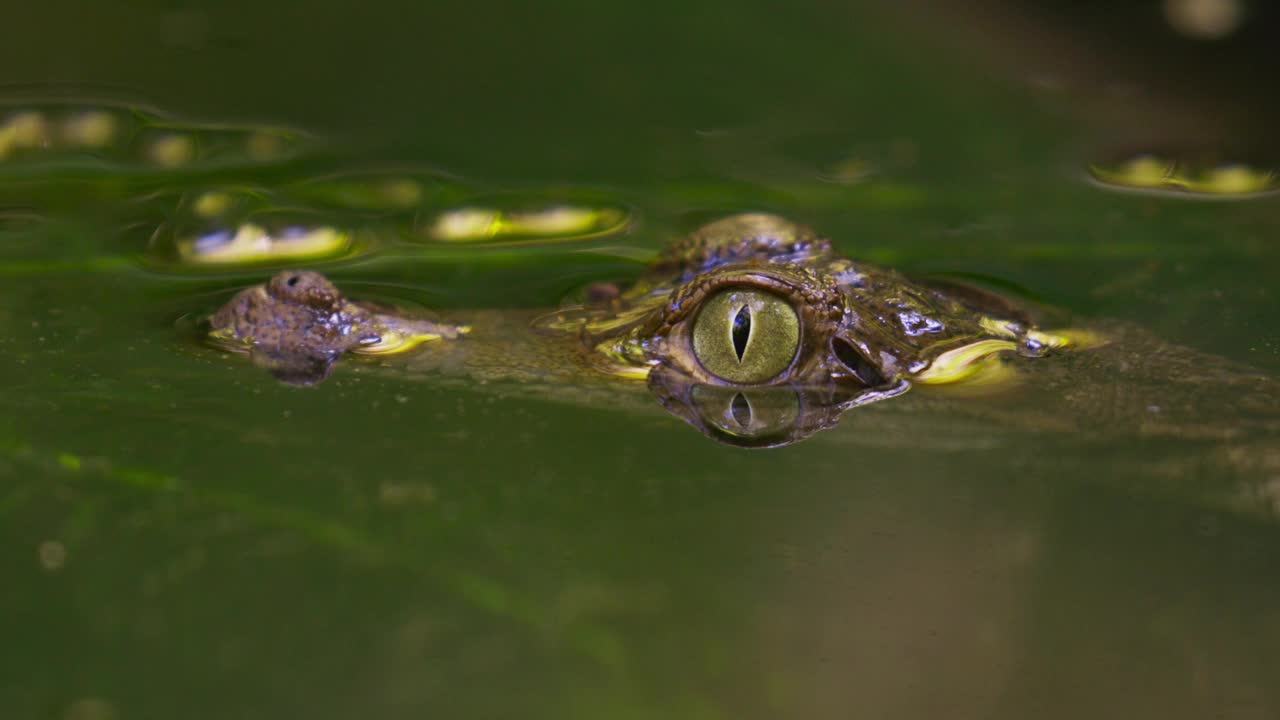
(184, 537)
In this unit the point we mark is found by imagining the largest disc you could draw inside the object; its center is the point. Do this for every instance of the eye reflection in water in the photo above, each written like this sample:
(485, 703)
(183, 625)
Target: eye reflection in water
(759, 417)
(750, 329)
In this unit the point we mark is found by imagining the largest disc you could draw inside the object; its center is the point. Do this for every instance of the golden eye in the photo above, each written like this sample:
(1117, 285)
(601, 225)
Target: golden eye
(746, 336)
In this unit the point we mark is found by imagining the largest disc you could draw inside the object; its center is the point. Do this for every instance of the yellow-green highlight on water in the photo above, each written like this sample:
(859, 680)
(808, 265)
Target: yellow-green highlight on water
(551, 223)
(1174, 176)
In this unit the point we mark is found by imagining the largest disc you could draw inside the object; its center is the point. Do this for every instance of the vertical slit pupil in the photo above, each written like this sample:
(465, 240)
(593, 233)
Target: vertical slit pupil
(741, 331)
(740, 408)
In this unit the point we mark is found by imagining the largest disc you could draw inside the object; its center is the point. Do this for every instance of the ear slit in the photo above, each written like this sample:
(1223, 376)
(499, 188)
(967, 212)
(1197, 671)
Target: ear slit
(857, 364)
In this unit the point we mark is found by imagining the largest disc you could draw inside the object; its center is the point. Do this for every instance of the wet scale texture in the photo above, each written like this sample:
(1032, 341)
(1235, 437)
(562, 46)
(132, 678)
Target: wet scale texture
(298, 324)
(479, 529)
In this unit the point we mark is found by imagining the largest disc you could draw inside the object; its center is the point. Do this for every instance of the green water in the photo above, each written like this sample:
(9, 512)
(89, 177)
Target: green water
(185, 537)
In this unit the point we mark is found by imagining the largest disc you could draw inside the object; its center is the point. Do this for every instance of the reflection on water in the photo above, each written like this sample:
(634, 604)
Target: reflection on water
(1192, 176)
(740, 306)
(557, 222)
(373, 191)
(240, 227)
(500, 526)
(73, 132)
(759, 417)
(230, 228)
(250, 243)
(1205, 19)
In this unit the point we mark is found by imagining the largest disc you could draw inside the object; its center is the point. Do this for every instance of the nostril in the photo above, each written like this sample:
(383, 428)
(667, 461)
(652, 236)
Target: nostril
(293, 280)
(859, 366)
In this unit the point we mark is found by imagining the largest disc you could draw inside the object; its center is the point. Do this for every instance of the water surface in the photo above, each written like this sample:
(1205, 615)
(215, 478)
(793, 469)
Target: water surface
(183, 536)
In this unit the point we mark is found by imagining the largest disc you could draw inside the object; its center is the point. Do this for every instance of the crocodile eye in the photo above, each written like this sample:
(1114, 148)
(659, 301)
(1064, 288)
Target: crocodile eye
(747, 336)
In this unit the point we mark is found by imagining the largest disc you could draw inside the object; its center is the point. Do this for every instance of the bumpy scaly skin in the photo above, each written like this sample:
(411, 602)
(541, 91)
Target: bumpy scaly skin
(862, 324)
(298, 324)
(297, 312)
(739, 238)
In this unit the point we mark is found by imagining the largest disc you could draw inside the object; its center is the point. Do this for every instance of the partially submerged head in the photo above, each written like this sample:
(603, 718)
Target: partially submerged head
(753, 304)
(304, 288)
